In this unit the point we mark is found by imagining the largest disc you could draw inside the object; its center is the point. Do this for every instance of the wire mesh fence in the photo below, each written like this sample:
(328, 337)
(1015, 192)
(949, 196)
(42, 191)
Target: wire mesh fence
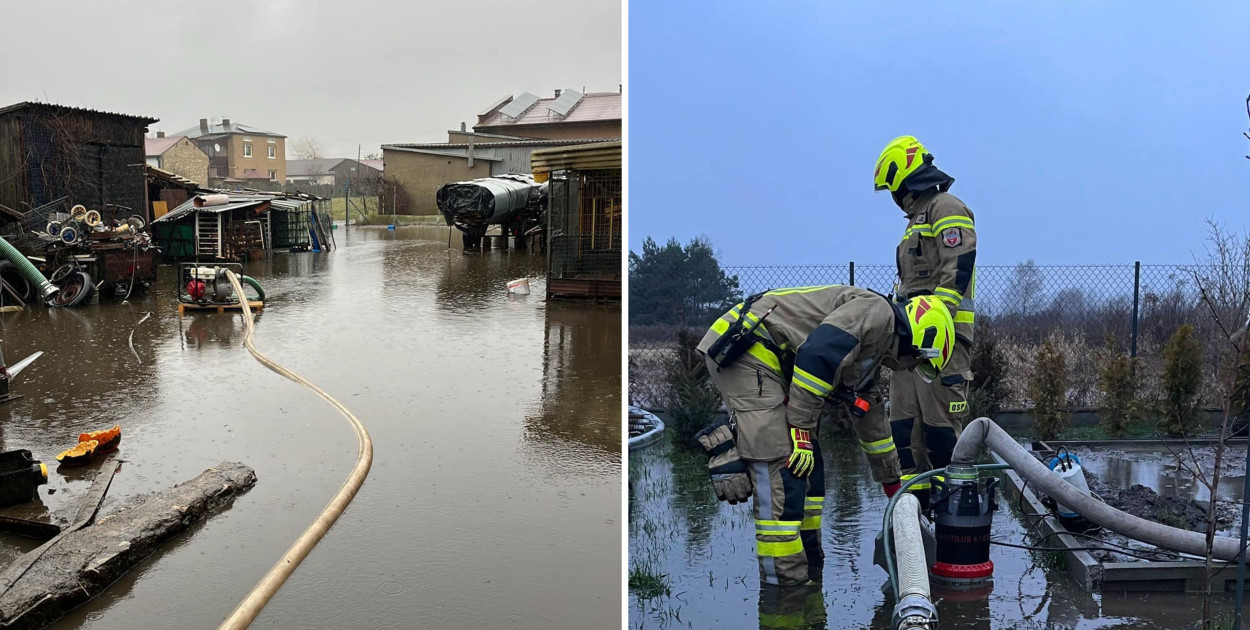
(585, 241)
(1086, 309)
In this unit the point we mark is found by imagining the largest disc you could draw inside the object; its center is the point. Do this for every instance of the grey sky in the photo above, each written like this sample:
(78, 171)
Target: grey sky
(343, 72)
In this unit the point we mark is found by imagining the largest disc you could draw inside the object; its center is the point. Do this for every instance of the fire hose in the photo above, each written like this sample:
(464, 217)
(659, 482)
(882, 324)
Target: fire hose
(250, 607)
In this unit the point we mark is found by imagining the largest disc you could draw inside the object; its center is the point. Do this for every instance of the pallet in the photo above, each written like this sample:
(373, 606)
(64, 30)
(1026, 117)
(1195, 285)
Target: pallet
(255, 305)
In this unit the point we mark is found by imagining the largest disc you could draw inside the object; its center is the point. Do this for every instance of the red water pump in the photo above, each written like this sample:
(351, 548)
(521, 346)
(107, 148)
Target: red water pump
(196, 290)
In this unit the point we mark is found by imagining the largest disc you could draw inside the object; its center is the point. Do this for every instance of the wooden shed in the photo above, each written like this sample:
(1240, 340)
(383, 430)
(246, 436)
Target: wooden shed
(50, 152)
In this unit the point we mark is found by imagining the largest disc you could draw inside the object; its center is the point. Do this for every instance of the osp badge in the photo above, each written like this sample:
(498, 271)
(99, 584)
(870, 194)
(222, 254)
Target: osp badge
(952, 237)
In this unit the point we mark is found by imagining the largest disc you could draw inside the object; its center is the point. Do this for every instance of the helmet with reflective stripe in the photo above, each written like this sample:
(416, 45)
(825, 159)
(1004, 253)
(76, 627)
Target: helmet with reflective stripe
(902, 157)
(932, 334)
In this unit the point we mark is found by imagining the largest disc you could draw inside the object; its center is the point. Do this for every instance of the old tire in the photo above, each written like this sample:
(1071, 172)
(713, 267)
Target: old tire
(23, 287)
(75, 289)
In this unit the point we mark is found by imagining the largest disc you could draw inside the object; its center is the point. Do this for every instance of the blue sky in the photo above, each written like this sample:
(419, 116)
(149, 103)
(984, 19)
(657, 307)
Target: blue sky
(1090, 132)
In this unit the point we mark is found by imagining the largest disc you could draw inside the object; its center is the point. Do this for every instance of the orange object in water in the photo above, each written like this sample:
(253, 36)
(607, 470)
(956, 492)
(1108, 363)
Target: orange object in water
(109, 439)
(79, 455)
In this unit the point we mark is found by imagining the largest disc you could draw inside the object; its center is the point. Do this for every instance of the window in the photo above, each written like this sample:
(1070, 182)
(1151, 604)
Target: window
(273, 174)
(273, 152)
(247, 149)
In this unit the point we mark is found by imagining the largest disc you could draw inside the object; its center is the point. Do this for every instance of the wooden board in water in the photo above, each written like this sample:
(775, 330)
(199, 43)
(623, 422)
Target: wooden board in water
(255, 305)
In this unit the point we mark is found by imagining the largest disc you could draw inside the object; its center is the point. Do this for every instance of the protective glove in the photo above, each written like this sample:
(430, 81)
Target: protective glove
(890, 489)
(728, 471)
(802, 459)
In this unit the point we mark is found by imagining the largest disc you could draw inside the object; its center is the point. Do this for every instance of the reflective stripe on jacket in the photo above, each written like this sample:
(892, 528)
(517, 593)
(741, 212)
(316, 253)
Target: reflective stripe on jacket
(834, 335)
(938, 255)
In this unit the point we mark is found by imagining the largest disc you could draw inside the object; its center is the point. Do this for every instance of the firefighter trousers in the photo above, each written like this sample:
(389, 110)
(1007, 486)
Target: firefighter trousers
(787, 509)
(787, 521)
(926, 419)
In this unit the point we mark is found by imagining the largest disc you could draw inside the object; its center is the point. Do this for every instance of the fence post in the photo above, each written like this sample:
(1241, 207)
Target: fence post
(852, 273)
(1136, 295)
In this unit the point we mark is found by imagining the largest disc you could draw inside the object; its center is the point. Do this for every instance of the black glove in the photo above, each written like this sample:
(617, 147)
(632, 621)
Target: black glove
(728, 471)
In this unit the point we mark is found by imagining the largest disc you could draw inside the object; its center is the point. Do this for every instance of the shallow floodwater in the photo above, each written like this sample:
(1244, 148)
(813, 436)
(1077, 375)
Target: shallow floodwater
(1155, 466)
(494, 496)
(705, 550)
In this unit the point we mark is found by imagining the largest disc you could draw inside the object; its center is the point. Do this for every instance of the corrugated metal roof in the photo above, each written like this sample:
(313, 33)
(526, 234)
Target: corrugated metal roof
(289, 205)
(596, 107)
(188, 206)
(597, 156)
(29, 104)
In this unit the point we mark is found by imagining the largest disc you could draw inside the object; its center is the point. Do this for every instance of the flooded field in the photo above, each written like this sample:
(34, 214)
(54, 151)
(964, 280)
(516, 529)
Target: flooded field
(494, 495)
(705, 552)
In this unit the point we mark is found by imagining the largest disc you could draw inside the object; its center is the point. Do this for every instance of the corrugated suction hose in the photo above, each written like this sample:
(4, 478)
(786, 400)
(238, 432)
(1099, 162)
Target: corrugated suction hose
(250, 607)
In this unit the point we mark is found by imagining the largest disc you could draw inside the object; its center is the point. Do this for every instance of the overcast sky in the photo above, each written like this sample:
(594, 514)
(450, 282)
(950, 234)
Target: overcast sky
(1078, 132)
(343, 72)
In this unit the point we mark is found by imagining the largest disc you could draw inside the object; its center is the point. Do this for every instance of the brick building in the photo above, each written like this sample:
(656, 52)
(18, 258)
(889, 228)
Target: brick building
(178, 155)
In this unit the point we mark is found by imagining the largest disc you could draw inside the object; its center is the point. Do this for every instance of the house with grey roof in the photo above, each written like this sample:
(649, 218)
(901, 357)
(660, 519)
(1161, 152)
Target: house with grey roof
(239, 152)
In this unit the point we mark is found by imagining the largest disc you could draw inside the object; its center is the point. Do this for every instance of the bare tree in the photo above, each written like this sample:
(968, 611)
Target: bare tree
(1225, 292)
(306, 149)
(1025, 296)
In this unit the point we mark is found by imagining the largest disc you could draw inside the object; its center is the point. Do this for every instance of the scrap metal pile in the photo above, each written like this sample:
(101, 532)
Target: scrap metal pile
(82, 250)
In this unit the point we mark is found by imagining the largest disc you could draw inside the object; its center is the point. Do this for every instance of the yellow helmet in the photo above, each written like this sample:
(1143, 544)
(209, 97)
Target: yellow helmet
(902, 157)
(932, 334)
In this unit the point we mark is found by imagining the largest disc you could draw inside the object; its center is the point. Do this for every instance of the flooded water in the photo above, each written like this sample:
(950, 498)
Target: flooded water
(1155, 466)
(494, 495)
(705, 550)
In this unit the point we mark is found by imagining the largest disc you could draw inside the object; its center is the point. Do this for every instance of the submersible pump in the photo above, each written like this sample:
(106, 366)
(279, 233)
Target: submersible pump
(963, 513)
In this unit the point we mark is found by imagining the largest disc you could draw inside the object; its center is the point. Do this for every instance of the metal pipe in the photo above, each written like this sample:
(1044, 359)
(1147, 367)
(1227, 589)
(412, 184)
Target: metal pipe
(1136, 294)
(250, 607)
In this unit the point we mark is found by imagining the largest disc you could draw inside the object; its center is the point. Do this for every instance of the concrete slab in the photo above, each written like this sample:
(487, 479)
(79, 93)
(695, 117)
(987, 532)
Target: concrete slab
(80, 563)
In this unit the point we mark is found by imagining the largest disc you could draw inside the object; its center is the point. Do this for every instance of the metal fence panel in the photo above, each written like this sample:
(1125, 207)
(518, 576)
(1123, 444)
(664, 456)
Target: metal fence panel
(1086, 308)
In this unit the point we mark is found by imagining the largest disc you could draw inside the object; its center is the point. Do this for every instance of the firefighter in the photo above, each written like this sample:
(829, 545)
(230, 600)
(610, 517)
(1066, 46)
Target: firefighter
(776, 359)
(936, 256)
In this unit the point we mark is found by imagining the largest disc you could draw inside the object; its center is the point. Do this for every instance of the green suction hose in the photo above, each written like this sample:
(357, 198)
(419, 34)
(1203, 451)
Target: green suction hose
(251, 282)
(28, 271)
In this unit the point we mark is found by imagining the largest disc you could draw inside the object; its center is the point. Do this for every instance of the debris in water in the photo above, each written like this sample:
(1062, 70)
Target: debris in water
(520, 286)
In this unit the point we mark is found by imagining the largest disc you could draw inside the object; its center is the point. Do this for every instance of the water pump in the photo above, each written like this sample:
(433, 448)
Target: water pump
(963, 511)
(1068, 467)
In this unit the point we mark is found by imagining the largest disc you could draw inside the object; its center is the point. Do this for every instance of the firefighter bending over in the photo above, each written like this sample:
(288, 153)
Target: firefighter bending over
(776, 358)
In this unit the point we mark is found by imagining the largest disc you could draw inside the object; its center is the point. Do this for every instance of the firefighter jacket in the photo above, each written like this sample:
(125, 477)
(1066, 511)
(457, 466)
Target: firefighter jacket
(938, 255)
(829, 337)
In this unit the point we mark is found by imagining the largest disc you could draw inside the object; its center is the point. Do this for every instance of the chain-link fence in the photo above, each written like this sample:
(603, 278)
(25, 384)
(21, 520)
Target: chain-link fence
(1131, 308)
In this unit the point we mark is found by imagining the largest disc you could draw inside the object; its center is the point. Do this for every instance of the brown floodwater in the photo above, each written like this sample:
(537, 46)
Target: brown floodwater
(494, 496)
(705, 552)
